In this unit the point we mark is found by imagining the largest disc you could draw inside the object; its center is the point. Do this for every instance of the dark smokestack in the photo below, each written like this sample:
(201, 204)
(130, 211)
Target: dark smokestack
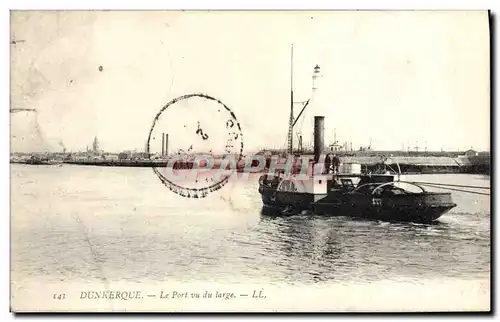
(163, 144)
(166, 144)
(319, 137)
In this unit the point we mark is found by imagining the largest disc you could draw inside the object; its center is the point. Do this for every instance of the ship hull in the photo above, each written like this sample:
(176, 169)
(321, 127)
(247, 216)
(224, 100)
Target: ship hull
(281, 200)
(418, 208)
(417, 214)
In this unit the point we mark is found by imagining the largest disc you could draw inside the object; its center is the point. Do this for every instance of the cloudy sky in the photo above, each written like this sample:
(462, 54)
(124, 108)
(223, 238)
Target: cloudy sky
(394, 78)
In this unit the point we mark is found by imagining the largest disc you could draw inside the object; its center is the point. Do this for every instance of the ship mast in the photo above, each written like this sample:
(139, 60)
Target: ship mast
(291, 121)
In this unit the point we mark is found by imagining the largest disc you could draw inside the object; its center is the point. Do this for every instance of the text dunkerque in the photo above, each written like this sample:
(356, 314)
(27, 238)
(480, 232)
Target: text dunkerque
(112, 295)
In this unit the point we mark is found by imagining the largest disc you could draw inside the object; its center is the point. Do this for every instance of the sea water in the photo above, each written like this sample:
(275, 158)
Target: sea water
(77, 227)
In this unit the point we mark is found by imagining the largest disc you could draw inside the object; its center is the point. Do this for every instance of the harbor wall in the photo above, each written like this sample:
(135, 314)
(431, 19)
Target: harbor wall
(406, 164)
(425, 162)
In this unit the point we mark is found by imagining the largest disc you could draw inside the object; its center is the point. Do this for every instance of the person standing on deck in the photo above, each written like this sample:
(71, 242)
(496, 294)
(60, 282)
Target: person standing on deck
(336, 163)
(328, 163)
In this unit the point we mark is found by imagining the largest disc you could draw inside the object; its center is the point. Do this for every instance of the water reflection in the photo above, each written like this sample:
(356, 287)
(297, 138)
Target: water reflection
(311, 243)
(338, 247)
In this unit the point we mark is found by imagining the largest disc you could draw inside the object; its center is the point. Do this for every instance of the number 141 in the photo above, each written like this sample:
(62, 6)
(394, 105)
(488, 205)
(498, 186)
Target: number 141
(59, 296)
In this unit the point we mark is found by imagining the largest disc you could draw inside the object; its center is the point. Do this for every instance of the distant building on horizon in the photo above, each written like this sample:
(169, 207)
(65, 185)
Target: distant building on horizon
(471, 153)
(95, 145)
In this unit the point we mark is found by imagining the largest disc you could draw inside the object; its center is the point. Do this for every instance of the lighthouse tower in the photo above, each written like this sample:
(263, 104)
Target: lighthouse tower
(314, 108)
(312, 131)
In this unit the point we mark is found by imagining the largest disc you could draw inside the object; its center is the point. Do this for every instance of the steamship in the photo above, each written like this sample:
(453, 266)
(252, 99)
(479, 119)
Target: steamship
(346, 190)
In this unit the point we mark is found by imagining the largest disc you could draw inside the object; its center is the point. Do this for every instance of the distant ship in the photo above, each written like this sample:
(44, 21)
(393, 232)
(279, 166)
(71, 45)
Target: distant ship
(36, 160)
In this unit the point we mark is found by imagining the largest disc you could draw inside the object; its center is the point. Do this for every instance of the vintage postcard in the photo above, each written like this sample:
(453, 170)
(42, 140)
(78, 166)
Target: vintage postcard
(250, 161)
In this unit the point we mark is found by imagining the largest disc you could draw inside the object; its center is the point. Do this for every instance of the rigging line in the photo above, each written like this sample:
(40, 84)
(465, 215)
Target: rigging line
(300, 114)
(445, 188)
(453, 185)
(300, 129)
(303, 118)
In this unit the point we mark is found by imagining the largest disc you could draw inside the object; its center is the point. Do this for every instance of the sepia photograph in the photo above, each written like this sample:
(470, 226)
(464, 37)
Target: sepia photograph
(250, 161)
